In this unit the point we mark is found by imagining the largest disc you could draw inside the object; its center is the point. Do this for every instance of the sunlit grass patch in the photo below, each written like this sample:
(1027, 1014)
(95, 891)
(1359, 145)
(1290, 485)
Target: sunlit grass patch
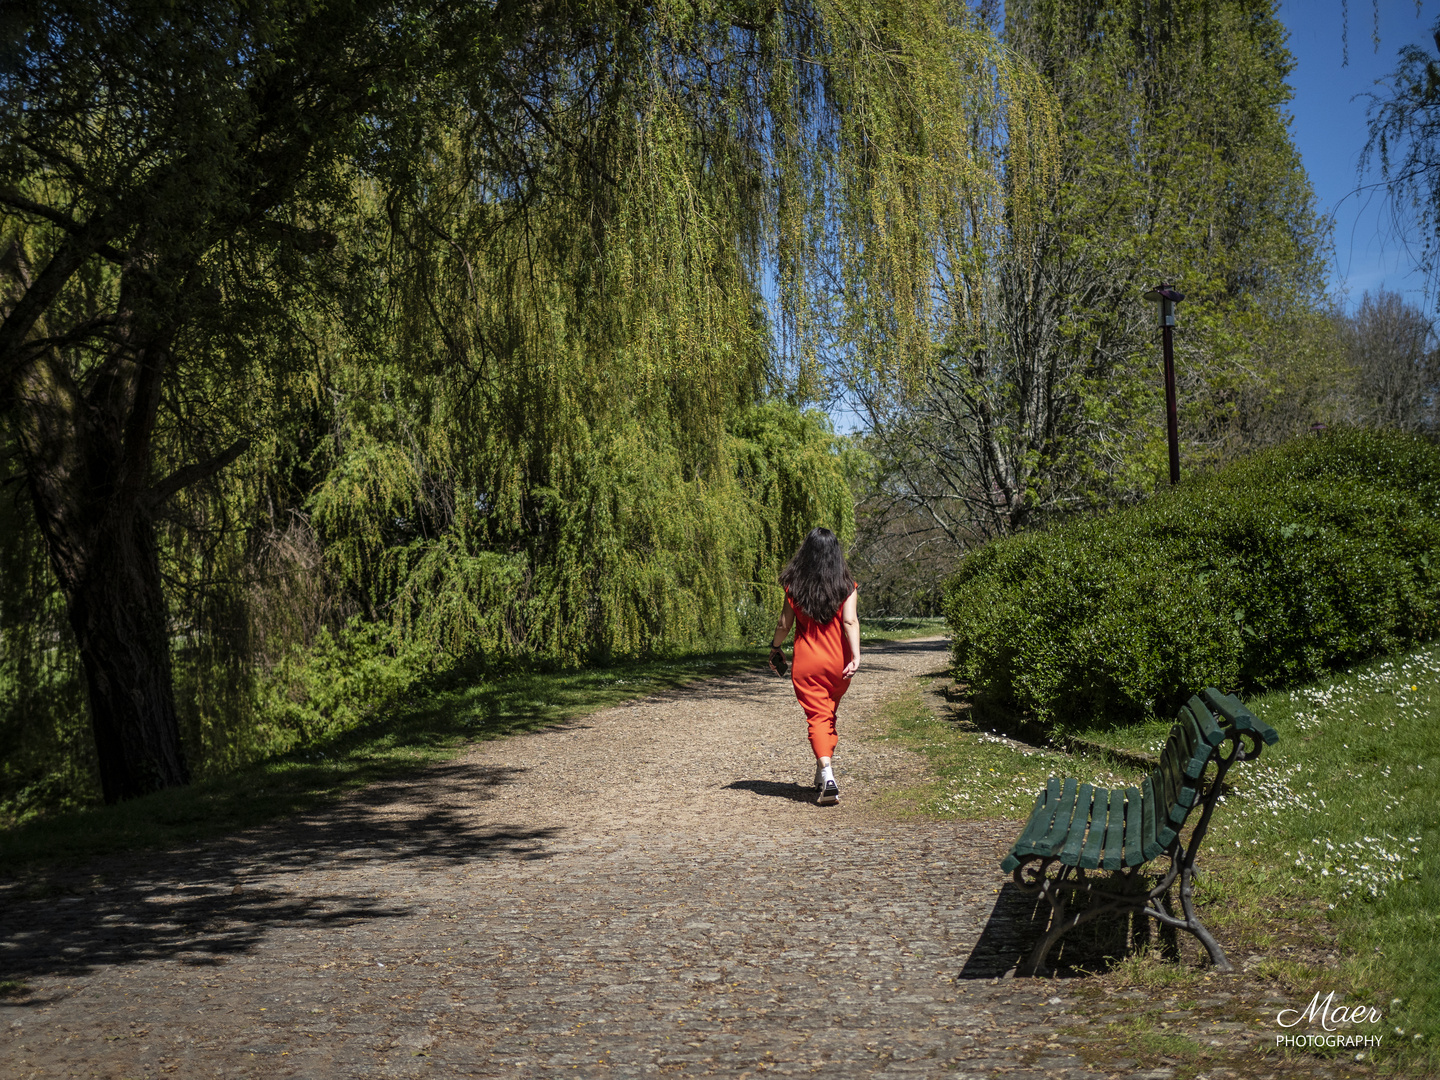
(900, 627)
(981, 774)
(1174, 1046)
(1146, 1040)
(1319, 869)
(1349, 794)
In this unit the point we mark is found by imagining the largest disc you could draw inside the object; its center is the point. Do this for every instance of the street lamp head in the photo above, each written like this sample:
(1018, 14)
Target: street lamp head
(1164, 292)
(1167, 299)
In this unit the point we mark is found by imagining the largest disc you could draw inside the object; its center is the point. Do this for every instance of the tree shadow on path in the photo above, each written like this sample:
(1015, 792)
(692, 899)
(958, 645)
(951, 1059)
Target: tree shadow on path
(203, 904)
(801, 793)
(217, 896)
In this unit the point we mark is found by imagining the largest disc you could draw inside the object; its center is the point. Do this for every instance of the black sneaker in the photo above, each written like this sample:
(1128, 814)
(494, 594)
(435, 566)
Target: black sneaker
(829, 794)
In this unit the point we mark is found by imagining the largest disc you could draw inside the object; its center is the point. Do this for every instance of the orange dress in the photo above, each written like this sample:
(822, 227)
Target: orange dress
(821, 653)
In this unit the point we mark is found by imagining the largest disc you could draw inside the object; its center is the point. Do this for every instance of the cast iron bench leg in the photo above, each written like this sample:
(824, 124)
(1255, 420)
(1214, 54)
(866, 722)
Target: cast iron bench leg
(1195, 926)
(1054, 932)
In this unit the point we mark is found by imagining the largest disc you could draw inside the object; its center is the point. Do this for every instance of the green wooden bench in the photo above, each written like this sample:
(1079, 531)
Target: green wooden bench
(1078, 828)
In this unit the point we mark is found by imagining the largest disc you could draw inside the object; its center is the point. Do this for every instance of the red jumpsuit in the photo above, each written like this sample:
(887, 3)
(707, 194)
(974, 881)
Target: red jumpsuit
(821, 653)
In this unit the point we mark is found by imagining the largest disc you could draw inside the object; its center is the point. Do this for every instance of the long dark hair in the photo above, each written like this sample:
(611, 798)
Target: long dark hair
(817, 577)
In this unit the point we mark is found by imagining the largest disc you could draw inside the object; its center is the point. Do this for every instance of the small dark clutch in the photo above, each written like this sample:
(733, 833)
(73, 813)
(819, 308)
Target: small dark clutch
(777, 661)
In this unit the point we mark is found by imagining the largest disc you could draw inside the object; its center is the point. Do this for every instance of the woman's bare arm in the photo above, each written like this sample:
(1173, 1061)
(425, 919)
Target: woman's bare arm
(782, 628)
(851, 623)
(782, 631)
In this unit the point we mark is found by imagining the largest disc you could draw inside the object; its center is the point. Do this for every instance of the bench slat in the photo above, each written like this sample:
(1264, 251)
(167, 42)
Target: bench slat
(1159, 804)
(1037, 815)
(1099, 811)
(1200, 750)
(1228, 706)
(1167, 784)
(1114, 830)
(1179, 797)
(1180, 808)
(1070, 853)
(1167, 787)
(1059, 826)
(1134, 850)
(1037, 812)
(1186, 741)
(1150, 819)
(1212, 732)
(1049, 823)
(1039, 822)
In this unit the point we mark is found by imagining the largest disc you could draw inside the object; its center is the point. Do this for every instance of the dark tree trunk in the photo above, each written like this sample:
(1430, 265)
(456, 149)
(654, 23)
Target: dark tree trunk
(87, 456)
(217, 138)
(118, 612)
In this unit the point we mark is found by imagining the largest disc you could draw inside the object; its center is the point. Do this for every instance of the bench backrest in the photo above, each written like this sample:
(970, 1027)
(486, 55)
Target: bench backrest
(1178, 783)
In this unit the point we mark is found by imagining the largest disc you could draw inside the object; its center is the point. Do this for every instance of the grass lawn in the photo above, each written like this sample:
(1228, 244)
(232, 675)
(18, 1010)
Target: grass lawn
(432, 726)
(1320, 864)
(900, 628)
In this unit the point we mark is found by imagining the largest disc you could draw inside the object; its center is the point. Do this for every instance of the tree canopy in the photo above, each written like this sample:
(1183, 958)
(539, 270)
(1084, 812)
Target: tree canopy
(448, 318)
(1404, 137)
(1175, 163)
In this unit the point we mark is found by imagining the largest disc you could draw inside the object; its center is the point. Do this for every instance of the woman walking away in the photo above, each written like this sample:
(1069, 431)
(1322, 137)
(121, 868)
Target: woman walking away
(820, 602)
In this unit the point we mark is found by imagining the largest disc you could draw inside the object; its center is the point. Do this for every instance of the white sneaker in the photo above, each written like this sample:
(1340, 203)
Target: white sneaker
(819, 778)
(829, 794)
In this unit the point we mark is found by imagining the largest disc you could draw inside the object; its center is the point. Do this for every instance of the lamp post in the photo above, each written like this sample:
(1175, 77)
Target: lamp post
(1167, 298)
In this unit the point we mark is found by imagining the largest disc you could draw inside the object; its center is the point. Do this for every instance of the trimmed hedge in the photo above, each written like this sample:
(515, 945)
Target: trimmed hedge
(1310, 556)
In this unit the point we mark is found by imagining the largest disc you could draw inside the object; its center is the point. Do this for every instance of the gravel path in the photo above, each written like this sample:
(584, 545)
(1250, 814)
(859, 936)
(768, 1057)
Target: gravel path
(649, 890)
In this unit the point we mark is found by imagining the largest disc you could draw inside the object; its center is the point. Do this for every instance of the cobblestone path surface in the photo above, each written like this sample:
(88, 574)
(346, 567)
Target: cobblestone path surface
(647, 891)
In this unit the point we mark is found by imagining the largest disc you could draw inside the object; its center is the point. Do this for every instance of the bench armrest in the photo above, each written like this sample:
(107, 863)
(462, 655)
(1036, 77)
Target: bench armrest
(1239, 717)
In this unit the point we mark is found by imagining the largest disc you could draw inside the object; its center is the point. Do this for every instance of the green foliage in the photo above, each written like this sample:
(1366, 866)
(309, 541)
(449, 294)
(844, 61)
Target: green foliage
(1174, 163)
(333, 686)
(1313, 555)
(485, 364)
(47, 758)
(1335, 825)
(1181, 167)
(619, 548)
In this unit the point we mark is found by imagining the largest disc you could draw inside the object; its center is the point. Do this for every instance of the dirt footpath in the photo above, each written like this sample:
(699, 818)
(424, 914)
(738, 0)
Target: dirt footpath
(650, 890)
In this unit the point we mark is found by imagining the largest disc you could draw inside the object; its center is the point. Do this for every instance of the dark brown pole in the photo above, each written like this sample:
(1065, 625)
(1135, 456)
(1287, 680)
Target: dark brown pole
(1172, 416)
(1167, 298)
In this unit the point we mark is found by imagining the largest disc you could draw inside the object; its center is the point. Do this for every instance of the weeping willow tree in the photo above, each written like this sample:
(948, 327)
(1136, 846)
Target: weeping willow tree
(452, 318)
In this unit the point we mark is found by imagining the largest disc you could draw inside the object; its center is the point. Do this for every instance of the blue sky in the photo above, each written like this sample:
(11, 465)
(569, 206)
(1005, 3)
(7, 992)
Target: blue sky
(1329, 129)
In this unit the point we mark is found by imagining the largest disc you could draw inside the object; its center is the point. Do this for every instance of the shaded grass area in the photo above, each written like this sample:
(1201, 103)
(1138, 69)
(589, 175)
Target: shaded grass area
(434, 724)
(1320, 871)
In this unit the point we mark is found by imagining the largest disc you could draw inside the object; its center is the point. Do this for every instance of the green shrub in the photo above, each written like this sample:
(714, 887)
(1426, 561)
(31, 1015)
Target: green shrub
(1307, 557)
